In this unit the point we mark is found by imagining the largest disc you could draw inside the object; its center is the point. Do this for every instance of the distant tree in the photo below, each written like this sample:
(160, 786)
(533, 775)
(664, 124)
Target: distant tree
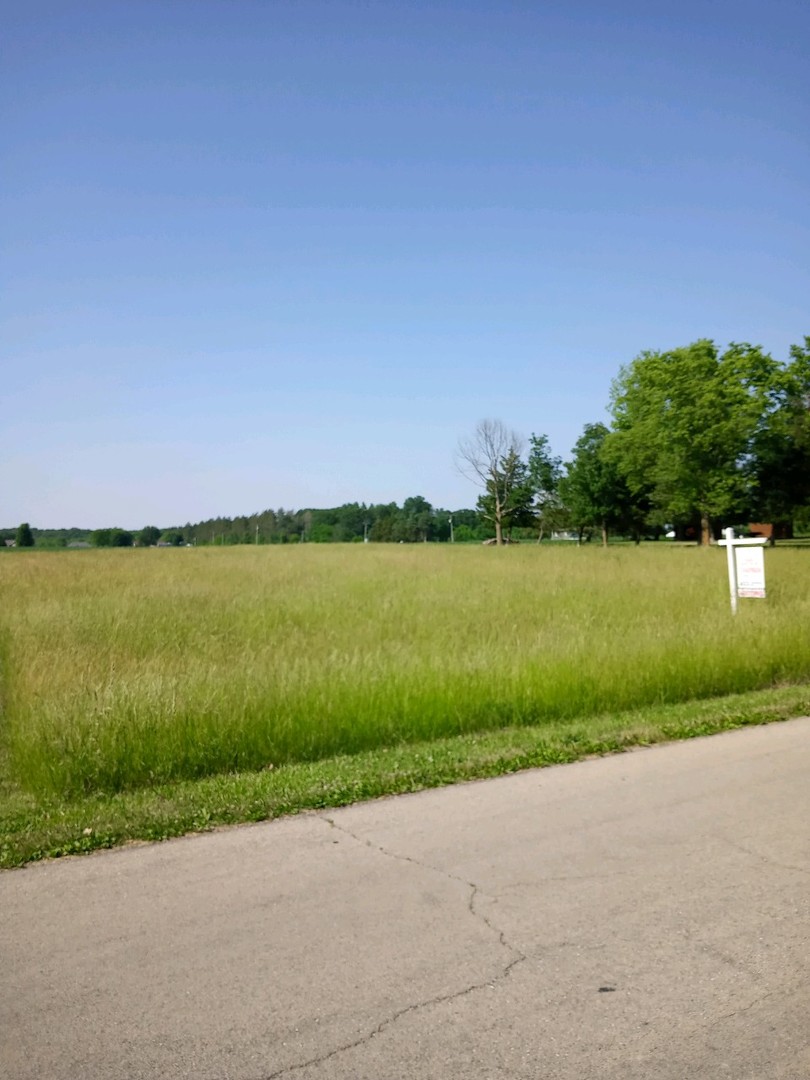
(491, 458)
(351, 521)
(52, 542)
(240, 531)
(517, 507)
(595, 492)
(287, 525)
(322, 533)
(417, 518)
(267, 526)
(111, 538)
(384, 521)
(801, 520)
(173, 537)
(545, 473)
(463, 534)
(149, 536)
(24, 538)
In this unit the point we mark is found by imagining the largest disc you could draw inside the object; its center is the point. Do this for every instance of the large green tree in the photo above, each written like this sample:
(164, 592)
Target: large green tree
(782, 447)
(686, 424)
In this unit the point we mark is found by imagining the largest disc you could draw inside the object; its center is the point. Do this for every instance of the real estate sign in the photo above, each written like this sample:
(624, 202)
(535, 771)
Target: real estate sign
(750, 571)
(746, 566)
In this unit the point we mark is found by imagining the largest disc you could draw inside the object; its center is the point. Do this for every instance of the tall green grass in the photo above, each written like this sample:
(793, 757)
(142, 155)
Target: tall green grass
(131, 667)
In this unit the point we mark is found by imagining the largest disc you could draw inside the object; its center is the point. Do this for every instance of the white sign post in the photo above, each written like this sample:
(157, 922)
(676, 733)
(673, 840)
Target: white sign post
(746, 566)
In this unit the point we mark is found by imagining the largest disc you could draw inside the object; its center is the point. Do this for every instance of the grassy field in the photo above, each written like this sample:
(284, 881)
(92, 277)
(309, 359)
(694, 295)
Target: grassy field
(128, 670)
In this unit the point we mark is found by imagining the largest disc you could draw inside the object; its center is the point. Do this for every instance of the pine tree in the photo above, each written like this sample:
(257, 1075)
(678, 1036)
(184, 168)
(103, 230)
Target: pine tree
(25, 538)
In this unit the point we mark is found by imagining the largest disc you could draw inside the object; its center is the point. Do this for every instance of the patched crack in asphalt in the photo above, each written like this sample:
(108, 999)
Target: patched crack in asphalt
(439, 999)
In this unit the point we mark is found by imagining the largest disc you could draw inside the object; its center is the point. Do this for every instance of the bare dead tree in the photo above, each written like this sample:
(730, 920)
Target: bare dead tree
(491, 458)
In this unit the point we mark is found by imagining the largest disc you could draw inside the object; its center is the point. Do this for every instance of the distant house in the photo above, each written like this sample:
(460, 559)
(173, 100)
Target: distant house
(10, 543)
(776, 530)
(79, 544)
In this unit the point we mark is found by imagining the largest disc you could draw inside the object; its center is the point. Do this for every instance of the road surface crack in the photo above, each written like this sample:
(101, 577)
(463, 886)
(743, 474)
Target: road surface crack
(517, 958)
(767, 859)
(475, 890)
(744, 1009)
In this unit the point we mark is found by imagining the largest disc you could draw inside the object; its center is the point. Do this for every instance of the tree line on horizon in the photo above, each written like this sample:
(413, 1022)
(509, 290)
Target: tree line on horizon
(415, 521)
(699, 439)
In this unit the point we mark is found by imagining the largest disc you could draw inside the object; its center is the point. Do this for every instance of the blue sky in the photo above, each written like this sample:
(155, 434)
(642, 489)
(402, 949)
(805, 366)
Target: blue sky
(276, 254)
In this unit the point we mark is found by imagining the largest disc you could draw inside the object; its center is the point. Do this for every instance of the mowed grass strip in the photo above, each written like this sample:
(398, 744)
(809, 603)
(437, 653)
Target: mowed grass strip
(128, 669)
(32, 828)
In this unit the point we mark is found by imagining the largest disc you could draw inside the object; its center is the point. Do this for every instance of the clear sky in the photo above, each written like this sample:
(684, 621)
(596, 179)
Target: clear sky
(261, 254)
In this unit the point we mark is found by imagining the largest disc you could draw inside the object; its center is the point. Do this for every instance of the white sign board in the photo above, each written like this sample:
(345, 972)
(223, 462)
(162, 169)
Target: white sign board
(750, 571)
(745, 562)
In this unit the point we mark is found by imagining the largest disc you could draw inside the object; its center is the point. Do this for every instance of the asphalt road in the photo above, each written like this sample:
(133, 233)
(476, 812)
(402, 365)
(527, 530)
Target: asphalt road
(639, 916)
